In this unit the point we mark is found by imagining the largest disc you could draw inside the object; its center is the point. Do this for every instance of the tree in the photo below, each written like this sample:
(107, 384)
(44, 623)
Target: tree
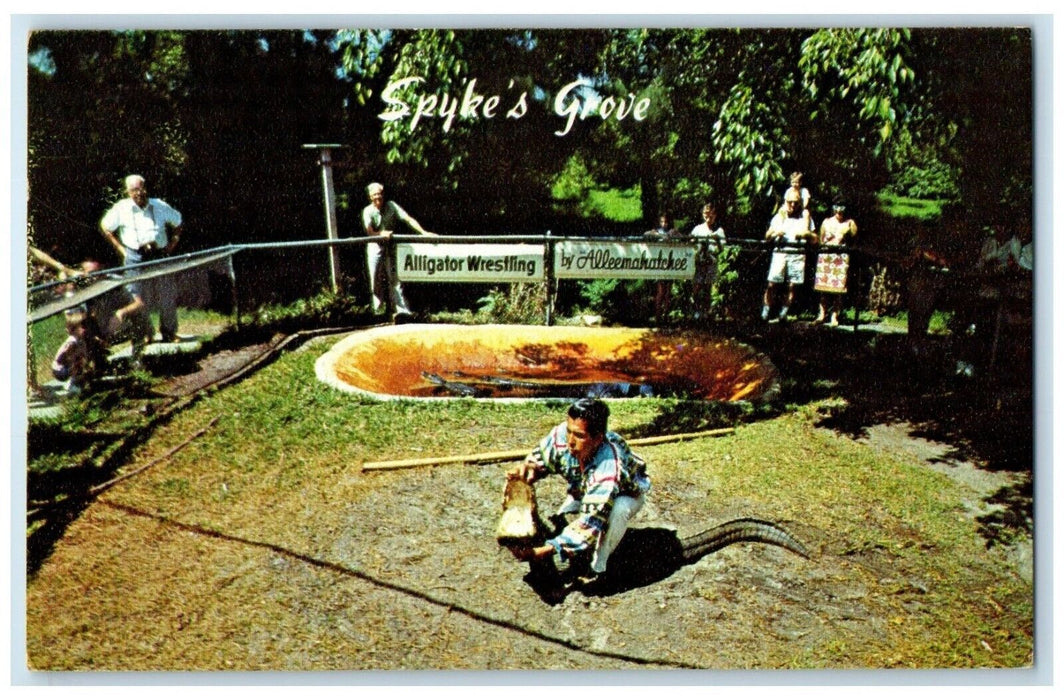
(979, 86)
(496, 161)
(736, 109)
(682, 73)
(215, 120)
(253, 99)
(99, 105)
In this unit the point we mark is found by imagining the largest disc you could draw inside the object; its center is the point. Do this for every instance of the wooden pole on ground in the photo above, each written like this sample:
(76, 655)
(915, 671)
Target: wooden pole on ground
(512, 455)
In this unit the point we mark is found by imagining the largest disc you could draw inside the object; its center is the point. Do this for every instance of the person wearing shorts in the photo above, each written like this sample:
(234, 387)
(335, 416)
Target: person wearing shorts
(789, 230)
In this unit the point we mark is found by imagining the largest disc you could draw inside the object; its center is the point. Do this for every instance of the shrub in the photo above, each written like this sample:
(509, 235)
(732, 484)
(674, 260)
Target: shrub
(936, 180)
(519, 303)
(574, 182)
(620, 301)
(599, 295)
(326, 308)
(727, 291)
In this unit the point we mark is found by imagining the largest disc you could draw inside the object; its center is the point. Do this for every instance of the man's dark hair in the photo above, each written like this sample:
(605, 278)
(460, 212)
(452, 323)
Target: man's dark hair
(593, 412)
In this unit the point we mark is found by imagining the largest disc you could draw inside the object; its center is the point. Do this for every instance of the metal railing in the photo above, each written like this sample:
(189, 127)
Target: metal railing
(56, 296)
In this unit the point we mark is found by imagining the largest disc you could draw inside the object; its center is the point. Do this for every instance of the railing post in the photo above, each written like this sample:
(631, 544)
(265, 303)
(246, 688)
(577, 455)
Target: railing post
(231, 268)
(390, 259)
(330, 207)
(548, 273)
(857, 261)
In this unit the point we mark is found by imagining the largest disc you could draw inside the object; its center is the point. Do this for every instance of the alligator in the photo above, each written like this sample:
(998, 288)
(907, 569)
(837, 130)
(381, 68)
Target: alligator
(739, 530)
(485, 385)
(456, 388)
(520, 525)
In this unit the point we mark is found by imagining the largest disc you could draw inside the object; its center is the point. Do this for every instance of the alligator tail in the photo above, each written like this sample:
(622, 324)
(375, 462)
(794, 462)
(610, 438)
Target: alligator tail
(740, 530)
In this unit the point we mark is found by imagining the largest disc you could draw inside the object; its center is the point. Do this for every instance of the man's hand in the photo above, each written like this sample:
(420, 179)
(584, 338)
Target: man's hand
(171, 243)
(524, 552)
(525, 472)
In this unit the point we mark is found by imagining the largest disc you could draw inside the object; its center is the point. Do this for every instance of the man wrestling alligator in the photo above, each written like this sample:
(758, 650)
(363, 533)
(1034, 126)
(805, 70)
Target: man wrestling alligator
(608, 485)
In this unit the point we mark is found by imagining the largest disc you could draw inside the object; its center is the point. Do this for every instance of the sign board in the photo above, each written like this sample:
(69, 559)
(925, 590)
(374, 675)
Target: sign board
(621, 260)
(479, 262)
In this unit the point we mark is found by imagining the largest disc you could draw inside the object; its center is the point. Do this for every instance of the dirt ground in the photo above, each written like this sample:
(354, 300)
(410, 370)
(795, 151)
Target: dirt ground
(415, 557)
(655, 616)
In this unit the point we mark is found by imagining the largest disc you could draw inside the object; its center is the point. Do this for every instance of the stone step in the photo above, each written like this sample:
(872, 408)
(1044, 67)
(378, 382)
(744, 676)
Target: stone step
(185, 345)
(47, 404)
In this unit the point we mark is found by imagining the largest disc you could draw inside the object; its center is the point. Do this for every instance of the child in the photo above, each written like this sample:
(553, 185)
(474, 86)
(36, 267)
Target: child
(803, 195)
(81, 354)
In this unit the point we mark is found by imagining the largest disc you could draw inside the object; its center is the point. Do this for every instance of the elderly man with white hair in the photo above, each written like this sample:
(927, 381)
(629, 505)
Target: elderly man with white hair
(791, 230)
(382, 218)
(141, 228)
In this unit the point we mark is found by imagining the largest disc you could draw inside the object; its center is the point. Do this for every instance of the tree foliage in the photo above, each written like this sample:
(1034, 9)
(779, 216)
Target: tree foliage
(216, 121)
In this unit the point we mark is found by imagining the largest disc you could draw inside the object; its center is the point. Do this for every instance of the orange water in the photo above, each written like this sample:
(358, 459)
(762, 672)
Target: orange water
(496, 361)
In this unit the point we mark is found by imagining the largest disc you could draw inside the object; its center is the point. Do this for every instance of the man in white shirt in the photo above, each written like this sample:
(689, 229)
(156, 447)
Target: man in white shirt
(142, 228)
(382, 218)
(1000, 251)
(710, 236)
(792, 230)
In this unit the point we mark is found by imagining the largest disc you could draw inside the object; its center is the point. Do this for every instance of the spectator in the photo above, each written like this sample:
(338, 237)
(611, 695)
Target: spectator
(928, 277)
(662, 288)
(806, 199)
(119, 314)
(1003, 290)
(790, 229)
(832, 266)
(143, 229)
(710, 237)
(82, 355)
(1000, 252)
(382, 218)
(40, 265)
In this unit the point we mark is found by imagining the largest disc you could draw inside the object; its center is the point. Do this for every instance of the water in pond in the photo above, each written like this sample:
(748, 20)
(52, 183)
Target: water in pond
(529, 362)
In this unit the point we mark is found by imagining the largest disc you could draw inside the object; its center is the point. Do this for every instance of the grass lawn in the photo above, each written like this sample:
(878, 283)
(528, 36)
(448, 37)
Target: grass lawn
(622, 206)
(911, 208)
(614, 204)
(261, 545)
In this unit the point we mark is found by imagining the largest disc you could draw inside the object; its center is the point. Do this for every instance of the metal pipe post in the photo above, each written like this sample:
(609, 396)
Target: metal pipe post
(550, 282)
(330, 207)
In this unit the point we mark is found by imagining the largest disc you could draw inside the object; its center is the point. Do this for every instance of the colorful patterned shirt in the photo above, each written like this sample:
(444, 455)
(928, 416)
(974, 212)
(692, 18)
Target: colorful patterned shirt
(613, 471)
